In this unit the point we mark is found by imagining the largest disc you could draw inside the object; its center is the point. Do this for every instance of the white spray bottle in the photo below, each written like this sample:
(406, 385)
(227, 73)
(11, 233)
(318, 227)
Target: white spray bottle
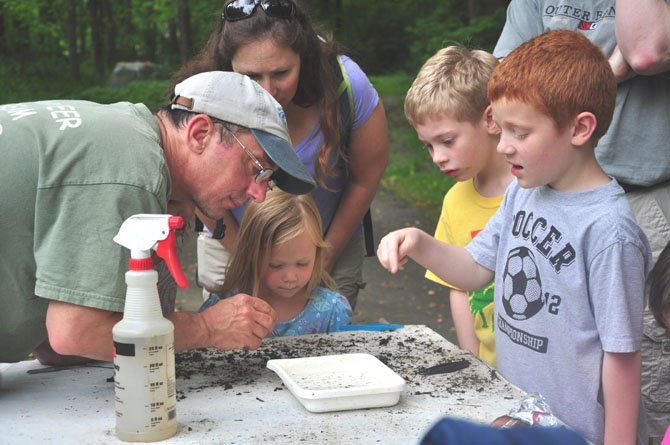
(144, 363)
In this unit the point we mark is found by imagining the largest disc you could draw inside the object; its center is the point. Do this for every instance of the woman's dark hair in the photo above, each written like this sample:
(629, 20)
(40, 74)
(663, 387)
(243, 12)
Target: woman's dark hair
(318, 67)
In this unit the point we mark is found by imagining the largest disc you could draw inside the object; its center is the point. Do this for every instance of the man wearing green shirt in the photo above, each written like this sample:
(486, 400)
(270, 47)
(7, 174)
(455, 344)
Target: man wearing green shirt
(72, 171)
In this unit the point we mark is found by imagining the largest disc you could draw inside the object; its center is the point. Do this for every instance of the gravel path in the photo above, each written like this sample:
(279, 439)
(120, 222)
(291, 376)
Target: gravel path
(406, 297)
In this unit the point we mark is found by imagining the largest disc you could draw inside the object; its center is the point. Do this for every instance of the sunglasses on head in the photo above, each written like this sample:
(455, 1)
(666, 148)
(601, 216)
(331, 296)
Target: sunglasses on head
(242, 9)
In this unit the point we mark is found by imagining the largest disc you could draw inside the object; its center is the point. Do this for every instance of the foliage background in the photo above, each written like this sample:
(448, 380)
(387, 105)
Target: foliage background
(52, 49)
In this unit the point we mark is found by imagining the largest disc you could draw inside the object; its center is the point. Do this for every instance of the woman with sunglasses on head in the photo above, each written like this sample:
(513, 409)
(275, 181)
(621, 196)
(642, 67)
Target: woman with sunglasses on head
(275, 43)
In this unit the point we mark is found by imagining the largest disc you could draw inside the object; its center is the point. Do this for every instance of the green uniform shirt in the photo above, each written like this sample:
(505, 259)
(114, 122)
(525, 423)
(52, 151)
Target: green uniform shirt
(70, 173)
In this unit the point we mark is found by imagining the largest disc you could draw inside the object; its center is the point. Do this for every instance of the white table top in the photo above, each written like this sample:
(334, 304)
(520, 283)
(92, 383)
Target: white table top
(231, 397)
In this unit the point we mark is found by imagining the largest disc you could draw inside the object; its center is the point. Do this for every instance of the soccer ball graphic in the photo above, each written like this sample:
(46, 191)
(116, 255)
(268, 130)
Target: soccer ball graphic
(522, 287)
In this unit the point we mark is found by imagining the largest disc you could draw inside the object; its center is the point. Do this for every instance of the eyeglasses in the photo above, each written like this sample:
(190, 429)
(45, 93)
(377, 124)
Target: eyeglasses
(264, 173)
(243, 9)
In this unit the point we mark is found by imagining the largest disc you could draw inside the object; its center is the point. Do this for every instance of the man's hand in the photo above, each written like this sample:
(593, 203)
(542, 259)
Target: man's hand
(622, 70)
(239, 322)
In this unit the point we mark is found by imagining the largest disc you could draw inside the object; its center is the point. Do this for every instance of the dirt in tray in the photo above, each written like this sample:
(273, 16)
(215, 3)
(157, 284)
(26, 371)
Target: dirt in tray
(426, 367)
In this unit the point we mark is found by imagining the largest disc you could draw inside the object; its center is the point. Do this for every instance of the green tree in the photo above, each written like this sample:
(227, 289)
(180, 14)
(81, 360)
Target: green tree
(448, 25)
(64, 40)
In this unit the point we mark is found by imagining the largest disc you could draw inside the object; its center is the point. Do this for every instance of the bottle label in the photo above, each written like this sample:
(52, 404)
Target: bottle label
(127, 349)
(144, 381)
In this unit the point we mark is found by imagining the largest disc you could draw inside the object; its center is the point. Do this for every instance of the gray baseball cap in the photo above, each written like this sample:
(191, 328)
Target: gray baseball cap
(235, 98)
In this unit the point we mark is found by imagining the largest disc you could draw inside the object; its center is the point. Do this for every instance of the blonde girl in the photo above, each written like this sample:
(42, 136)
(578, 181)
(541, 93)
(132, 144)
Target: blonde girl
(278, 256)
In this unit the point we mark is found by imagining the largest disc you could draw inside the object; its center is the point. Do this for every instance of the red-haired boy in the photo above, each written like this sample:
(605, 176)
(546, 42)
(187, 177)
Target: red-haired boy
(569, 259)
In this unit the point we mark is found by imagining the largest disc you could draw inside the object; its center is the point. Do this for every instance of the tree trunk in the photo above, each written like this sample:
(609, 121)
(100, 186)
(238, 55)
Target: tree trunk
(95, 13)
(173, 42)
(338, 19)
(109, 33)
(83, 49)
(129, 29)
(184, 26)
(22, 48)
(473, 9)
(41, 40)
(3, 37)
(71, 33)
(151, 42)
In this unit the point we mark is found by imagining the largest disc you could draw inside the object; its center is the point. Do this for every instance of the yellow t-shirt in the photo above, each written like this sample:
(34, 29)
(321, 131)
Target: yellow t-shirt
(464, 214)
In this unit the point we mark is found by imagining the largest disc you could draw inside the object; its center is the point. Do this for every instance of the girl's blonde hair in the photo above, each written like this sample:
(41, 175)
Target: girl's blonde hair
(281, 217)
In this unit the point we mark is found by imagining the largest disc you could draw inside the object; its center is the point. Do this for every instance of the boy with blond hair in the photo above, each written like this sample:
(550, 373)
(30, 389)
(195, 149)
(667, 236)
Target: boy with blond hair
(448, 108)
(569, 259)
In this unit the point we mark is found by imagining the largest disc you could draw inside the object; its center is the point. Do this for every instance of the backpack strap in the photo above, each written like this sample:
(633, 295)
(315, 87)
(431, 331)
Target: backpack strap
(346, 94)
(219, 231)
(369, 235)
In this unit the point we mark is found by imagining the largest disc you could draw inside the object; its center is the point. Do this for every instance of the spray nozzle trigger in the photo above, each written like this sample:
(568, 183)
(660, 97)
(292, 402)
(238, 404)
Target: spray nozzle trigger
(167, 250)
(143, 232)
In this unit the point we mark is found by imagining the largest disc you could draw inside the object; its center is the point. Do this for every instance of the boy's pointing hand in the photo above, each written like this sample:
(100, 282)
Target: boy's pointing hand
(394, 248)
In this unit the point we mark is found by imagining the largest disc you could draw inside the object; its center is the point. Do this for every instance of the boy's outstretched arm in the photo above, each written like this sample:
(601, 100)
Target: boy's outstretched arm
(621, 393)
(453, 264)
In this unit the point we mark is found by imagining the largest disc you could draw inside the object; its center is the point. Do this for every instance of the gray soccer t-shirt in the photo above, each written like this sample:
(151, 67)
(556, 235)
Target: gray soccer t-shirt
(570, 272)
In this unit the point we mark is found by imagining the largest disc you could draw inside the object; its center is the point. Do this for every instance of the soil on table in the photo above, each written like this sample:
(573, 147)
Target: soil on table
(438, 371)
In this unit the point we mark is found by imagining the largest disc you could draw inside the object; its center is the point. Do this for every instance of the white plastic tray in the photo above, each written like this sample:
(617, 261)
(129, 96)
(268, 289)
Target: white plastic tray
(339, 382)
